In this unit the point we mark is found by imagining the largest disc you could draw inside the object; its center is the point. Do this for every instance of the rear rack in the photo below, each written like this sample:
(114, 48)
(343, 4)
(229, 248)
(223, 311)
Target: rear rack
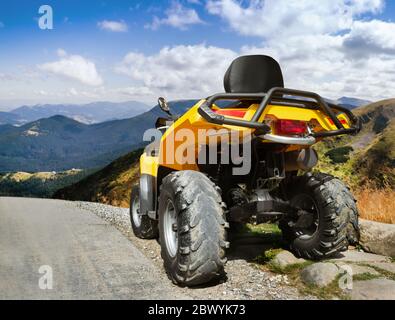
(280, 96)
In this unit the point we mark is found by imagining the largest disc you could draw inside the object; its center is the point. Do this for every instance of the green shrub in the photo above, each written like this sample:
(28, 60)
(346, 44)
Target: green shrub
(339, 155)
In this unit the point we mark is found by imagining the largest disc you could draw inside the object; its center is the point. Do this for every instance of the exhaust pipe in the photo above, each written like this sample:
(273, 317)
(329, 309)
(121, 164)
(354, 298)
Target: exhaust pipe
(304, 159)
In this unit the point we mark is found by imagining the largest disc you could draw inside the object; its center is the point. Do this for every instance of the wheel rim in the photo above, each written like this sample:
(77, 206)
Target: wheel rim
(136, 216)
(170, 229)
(307, 225)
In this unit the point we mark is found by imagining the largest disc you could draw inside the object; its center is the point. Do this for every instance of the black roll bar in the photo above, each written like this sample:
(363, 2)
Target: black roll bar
(288, 97)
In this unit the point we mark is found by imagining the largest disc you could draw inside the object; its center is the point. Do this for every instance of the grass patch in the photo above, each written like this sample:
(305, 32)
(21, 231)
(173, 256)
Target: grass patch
(267, 233)
(376, 204)
(258, 229)
(365, 277)
(292, 270)
(267, 256)
(327, 293)
(265, 262)
(387, 274)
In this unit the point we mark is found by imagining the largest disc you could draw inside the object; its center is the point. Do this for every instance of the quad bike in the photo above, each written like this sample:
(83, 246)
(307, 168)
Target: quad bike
(190, 206)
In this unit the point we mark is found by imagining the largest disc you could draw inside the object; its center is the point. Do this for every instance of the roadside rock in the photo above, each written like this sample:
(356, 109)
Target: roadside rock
(376, 289)
(358, 270)
(387, 266)
(286, 258)
(358, 256)
(378, 237)
(320, 274)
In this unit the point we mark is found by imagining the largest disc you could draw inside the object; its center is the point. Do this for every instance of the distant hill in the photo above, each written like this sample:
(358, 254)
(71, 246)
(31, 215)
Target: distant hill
(9, 118)
(352, 103)
(366, 158)
(38, 185)
(60, 143)
(86, 113)
(111, 185)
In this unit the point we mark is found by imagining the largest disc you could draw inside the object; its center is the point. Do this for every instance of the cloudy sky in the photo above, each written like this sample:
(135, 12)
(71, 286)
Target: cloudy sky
(137, 50)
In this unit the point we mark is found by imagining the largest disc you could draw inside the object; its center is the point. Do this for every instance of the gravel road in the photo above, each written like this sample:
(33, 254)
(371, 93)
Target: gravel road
(93, 254)
(244, 279)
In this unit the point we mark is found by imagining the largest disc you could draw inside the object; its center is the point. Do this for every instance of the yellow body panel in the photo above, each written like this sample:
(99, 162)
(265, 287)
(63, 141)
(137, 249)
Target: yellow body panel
(193, 122)
(149, 165)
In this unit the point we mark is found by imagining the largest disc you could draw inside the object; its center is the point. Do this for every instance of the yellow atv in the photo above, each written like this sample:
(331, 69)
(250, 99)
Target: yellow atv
(237, 157)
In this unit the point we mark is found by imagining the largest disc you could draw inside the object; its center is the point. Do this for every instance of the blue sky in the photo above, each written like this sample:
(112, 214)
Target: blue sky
(136, 50)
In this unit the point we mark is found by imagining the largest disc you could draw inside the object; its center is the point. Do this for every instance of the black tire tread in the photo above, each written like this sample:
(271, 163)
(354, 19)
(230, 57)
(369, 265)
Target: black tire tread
(202, 234)
(341, 216)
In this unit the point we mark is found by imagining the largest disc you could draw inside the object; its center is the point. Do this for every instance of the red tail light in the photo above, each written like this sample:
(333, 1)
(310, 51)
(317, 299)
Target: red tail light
(231, 113)
(342, 121)
(290, 127)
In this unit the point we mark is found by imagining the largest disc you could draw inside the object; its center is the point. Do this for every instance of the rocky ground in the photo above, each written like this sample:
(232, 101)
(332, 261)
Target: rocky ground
(278, 275)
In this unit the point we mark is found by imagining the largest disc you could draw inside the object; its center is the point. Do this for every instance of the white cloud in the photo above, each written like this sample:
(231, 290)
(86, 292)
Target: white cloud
(7, 77)
(331, 48)
(61, 53)
(42, 93)
(134, 91)
(180, 71)
(371, 37)
(74, 67)
(177, 16)
(114, 26)
(73, 92)
(279, 18)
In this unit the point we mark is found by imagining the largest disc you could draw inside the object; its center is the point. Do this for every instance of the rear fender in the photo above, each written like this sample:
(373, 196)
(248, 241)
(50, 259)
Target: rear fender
(148, 195)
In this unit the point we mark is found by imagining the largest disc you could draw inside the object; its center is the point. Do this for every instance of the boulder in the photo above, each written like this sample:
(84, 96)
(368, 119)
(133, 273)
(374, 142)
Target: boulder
(375, 289)
(378, 237)
(359, 256)
(387, 266)
(357, 270)
(320, 274)
(286, 258)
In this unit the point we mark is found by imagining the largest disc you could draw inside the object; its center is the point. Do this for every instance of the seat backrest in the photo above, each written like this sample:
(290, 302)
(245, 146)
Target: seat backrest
(253, 74)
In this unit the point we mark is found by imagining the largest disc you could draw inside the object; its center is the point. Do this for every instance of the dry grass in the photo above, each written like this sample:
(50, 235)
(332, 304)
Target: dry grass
(376, 204)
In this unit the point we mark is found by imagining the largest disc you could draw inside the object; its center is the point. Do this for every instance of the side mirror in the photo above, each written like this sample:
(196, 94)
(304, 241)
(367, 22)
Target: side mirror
(163, 105)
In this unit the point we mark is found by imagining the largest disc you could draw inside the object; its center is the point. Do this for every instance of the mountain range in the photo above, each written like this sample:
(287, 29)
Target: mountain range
(59, 143)
(352, 103)
(67, 136)
(87, 113)
(97, 112)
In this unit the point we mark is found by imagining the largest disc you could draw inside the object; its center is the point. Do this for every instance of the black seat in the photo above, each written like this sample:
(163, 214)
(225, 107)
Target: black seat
(253, 74)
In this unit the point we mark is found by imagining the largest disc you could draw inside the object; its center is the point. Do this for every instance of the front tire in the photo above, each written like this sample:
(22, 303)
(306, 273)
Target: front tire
(143, 226)
(192, 228)
(329, 219)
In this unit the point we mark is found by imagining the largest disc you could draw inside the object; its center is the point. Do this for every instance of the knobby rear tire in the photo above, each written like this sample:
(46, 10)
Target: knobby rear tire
(338, 217)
